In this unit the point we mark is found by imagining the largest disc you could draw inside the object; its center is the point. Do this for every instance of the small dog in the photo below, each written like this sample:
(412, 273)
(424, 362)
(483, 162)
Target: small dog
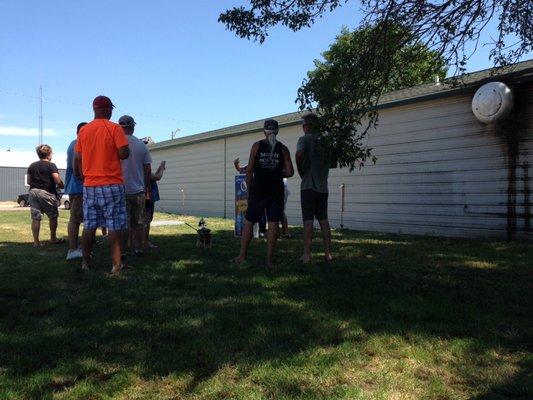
(205, 239)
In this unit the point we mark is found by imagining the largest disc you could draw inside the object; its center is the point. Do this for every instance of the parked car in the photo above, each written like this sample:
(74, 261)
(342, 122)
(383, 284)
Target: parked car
(64, 200)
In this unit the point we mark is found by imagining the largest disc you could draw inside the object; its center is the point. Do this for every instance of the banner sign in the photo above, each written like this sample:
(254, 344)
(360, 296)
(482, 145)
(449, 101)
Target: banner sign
(241, 203)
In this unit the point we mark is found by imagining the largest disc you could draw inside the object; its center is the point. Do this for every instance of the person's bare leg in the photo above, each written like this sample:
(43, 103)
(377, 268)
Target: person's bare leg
(272, 237)
(87, 240)
(245, 241)
(284, 225)
(53, 229)
(125, 236)
(146, 232)
(35, 228)
(73, 233)
(138, 238)
(115, 238)
(326, 238)
(308, 240)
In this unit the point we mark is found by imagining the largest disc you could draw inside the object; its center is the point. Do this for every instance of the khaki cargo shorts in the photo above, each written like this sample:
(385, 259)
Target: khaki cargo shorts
(76, 208)
(43, 202)
(135, 208)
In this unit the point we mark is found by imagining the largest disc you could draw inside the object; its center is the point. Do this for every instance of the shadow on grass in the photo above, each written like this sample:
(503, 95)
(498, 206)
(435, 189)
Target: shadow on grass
(188, 312)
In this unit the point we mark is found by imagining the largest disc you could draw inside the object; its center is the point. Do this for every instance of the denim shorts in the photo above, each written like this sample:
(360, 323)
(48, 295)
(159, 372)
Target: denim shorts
(104, 206)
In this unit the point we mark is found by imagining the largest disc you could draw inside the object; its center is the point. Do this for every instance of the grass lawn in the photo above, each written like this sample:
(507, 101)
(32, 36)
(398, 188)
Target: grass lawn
(394, 317)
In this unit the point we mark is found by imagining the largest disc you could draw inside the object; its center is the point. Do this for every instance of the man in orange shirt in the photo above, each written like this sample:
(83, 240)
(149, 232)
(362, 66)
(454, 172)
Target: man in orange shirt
(100, 147)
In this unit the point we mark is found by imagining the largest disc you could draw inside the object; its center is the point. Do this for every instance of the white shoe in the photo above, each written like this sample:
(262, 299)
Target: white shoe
(72, 254)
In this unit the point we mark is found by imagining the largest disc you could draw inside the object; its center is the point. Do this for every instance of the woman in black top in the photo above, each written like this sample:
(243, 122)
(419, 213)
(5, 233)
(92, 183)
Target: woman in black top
(43, 178)
(270, 162)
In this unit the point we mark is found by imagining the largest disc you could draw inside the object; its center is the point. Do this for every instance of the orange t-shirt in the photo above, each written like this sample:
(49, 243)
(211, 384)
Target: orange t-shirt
(98, 143)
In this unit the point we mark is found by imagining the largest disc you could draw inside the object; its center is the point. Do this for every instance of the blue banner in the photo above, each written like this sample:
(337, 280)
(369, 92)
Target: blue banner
(241, 203)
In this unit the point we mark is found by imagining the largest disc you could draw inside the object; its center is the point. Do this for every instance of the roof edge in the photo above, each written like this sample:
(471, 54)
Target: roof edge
(414, 94)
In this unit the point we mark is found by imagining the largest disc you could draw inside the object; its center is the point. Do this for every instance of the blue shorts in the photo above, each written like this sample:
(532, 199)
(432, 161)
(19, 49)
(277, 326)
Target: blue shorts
(104, 206)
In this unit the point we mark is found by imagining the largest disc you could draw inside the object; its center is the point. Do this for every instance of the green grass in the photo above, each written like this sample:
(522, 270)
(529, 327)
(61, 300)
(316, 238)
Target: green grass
(394, 317)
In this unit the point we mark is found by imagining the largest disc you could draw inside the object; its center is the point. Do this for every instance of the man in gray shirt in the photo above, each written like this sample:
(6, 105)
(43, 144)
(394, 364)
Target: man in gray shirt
(136, 170)
(313, 167)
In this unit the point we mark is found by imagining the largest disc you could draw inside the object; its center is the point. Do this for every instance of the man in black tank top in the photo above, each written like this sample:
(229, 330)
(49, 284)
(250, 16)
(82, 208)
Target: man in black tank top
(270, 162)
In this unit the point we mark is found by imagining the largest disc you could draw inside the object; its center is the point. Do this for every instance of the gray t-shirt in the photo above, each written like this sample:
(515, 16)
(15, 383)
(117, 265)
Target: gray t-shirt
(316, 177)
(133, 166)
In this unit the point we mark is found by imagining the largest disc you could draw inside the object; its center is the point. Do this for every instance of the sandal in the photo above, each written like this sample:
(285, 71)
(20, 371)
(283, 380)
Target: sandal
(116, 269)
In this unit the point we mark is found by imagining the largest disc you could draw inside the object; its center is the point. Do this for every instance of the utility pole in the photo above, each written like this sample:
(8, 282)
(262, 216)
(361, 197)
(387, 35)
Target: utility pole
(40, 115)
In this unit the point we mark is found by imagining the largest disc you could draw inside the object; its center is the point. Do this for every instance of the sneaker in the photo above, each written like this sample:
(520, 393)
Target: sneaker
(84, 267)
(73, 254)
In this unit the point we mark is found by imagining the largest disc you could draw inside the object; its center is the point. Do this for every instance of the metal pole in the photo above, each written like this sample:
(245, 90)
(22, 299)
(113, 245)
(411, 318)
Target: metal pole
(40, 115)
(343, 191)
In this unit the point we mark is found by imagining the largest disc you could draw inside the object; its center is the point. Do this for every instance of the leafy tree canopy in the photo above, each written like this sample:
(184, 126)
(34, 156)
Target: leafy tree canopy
(446, 26)
(347, 82)
(398, 43)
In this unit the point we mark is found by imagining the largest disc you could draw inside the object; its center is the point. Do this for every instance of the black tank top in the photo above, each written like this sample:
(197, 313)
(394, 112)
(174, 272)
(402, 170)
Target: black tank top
(268, 171)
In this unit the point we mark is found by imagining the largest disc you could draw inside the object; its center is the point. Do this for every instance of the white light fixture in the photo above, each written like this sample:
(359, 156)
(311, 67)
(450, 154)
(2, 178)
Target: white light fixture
(492, 102)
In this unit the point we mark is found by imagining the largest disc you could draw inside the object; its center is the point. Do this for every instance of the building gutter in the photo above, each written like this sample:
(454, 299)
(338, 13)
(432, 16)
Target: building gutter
(526, 75)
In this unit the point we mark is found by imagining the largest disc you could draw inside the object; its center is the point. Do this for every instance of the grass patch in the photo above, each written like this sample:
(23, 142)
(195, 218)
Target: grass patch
(393, 317)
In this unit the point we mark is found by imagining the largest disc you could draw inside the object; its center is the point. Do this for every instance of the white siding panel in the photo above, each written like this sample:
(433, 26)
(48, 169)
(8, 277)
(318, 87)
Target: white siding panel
(439, 172)
(193, 179)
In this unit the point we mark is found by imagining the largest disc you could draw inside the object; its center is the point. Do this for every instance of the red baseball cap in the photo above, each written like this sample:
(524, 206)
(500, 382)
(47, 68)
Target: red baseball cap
(102, 102)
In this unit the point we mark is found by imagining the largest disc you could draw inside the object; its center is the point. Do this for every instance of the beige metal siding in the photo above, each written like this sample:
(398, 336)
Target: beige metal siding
(439, 172)
(193, 182)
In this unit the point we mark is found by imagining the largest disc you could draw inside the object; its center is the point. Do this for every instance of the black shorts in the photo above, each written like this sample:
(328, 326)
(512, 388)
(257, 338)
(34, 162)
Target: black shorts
(258, 205)
(314, 205)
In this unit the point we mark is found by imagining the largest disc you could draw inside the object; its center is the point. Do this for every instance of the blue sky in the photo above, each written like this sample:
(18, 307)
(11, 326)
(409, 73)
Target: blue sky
(167, 63)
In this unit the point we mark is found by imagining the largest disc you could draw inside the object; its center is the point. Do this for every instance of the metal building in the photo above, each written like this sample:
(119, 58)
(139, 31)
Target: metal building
(439, 170)
(12, 182)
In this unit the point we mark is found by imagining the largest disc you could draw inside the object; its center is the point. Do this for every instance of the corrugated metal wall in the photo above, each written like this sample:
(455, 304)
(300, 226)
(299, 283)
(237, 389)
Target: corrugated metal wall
(439, 172)
(194, 179)
(12, 182)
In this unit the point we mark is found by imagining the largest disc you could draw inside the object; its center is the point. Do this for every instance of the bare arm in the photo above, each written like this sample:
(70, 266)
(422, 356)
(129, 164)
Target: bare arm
(124, 152)
(300, 159)
(288, 169)
(237, 164)
(147, 178)
(77, 166)
(301, 156)
(159, 173)
(250, 167)
(57, 180)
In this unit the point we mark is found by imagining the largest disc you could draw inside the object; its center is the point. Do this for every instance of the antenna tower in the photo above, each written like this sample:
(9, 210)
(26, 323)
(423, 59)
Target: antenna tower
(40, 115)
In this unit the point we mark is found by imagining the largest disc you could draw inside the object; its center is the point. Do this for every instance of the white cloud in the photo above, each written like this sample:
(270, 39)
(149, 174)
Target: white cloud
(26, 132)
(14, 158)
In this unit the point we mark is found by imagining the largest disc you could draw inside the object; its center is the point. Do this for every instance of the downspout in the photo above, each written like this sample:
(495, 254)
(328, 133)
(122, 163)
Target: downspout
(527, 201)
(512, 131)
(512, 158)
